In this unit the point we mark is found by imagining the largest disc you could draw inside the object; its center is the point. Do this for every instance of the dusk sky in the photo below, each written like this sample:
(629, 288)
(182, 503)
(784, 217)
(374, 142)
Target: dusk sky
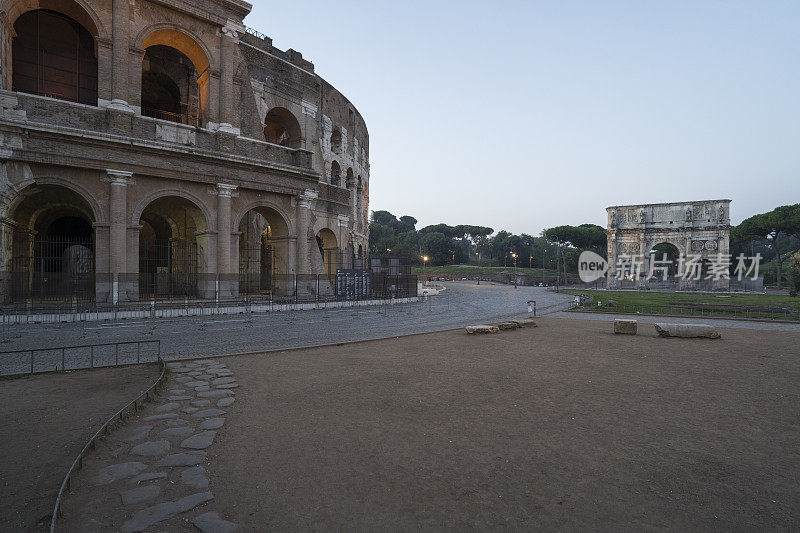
(527, 115)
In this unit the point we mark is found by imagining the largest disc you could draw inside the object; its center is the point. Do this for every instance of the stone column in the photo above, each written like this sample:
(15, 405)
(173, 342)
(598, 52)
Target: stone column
(118, 181)
(304, 204)
(224, 193)
(229, 37)
(6, 36)
(120, 14)
(345, 241)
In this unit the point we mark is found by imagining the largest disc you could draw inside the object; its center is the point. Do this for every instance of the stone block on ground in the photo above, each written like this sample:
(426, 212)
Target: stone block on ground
(195, 477)
(212, 423)
(151, 448)
(525, 323)
(482, 328)
(200, 441)
(507, 325)
(626, 327)
(183, 459)
(687, 331)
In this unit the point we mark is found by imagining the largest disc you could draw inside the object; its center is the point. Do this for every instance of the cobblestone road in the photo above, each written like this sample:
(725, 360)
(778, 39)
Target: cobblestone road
(460, 304)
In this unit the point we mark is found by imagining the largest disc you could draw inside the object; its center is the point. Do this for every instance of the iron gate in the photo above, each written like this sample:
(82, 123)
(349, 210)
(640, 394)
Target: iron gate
(168, 269)
(55, 268)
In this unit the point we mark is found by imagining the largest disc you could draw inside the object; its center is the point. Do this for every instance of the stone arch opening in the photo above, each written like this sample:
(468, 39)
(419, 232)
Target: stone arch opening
(328, 247)
(336, 174)
(52, 246)
(55, 55)
(175, 78)
(667, 256)
(170, 90)
(281, 127)
(359, 200)
(173, 248)
(263, 252)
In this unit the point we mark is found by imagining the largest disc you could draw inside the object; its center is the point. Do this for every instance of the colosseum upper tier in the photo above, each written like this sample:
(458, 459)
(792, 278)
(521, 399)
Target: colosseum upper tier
(162, 147)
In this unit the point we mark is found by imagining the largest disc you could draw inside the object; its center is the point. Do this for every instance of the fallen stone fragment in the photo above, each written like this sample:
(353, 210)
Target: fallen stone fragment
(225, 402)
(688, 331)
(183, 459)
(177, 422)
(138, 433)
(625, 327)
(167, 407)
(219, 393)
(212, 523)
(202, 389)
(208, 413)
(189, 410)
(149, 476)
(205, 376)
(212, 423)
(482, 328)
(179, 398)
(149, 449)
(228, 386)
(201, 441)
(507, 325)
(223, 380)
(196, 383)
(182, 431)
(525, 322)
(201, 403)
(195, 477)
(139, 494)
(165, 416)
(113, 473)
(158, 513)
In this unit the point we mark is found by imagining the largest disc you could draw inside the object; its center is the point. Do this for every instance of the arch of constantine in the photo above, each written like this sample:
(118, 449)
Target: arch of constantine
(700, 229)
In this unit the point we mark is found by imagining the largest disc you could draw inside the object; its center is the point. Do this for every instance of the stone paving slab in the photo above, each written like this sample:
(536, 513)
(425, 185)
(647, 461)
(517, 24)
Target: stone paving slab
(119, 471)
(158, 513)
(201, 441)
(211, 523)
(149, 476)
(195, 477)
(151, 448)
(208, 413)
(138, 433)
(183, 459)
(182, 431)
(212, 423)
(140, 494)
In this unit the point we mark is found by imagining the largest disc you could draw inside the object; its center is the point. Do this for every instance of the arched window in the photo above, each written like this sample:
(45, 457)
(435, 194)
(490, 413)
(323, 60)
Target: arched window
(281, 127)
(54, 55)
(336, 173)
(336, 140)
(169, 86)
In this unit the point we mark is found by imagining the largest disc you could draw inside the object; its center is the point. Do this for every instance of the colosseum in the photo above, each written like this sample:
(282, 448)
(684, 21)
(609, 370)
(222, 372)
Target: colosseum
(161, 147)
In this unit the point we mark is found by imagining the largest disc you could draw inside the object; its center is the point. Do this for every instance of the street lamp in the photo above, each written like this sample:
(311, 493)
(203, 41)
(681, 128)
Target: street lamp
(514, 256)
(479, 267)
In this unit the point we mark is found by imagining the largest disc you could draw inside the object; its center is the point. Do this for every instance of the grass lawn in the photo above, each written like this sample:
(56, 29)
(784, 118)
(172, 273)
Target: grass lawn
(719, 304)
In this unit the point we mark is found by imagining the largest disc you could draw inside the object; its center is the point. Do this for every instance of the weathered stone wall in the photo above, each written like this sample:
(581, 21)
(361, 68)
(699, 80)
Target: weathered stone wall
(224, 167)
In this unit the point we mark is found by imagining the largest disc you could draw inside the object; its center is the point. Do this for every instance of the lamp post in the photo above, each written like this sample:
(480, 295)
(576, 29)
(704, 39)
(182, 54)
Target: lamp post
(424, 263)
(514, 256)
(479, 267)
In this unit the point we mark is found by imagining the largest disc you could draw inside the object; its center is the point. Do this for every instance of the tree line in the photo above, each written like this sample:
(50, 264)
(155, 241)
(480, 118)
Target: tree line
(775, 235)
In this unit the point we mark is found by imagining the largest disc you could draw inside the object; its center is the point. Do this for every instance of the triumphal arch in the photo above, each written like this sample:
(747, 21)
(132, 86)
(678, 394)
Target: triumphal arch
(694, 230)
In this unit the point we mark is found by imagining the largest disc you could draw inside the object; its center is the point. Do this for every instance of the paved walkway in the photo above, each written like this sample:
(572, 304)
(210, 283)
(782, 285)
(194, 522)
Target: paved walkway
(460, 304)
(155, 468)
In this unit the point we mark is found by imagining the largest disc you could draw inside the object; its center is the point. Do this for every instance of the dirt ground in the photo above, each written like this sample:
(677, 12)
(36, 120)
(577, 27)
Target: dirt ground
(565, 426)
(45, 421)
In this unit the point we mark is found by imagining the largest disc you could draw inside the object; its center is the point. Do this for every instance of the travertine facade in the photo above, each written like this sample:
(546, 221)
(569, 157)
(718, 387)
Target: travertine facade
(692, 228)
(154, 141)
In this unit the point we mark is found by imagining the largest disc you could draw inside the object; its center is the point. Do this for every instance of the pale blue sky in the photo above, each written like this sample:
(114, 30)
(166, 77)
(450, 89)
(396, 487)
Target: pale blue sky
(526, 115)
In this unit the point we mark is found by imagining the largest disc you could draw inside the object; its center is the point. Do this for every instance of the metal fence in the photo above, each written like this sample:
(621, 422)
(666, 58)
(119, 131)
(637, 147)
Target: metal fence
(109, 293)
(62, 358)
(732, 312)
